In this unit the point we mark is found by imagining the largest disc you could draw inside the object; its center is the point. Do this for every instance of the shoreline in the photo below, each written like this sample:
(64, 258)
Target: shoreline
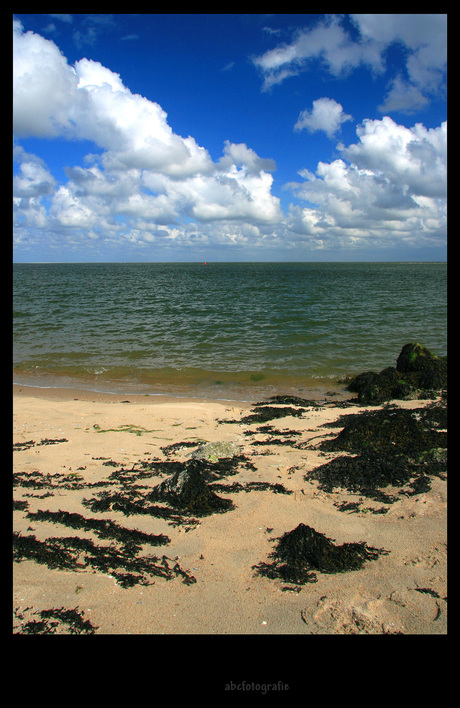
(76, 451)
(333, 390)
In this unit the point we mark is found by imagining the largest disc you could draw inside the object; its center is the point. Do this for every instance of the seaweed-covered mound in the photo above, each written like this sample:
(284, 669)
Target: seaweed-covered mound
(394, 448)
(188, 490)
(391, 430)
(367, 474)
(304, 550)
(418, 374)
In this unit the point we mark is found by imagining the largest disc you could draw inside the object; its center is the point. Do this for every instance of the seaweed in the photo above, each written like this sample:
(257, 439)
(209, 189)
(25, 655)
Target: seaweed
(355, 507)
(129, 506)
(407, 431)
(393, 448)
(251, 486)
(364, 474)
(48, 553)
(125, 428)
(31, 443)
(264, 413)
(303, 552)
(169, 449)
(187, 490)
(73, 553)
(271, 430)
(71, 618)
(130, 538)
(290, 400)
(271, 441)
(37, 480)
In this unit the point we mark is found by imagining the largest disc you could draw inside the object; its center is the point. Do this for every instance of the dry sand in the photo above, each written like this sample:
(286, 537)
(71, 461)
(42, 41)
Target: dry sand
(402, 592)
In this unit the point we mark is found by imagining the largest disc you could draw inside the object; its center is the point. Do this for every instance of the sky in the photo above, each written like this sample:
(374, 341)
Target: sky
(229, 137)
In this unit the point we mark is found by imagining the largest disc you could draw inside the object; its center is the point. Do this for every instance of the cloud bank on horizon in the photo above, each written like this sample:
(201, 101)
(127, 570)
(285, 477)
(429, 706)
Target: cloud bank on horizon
(147, 192)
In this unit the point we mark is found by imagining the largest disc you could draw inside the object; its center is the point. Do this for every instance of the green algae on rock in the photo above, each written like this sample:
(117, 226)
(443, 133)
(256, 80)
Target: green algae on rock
(214, 451)
(418, 374)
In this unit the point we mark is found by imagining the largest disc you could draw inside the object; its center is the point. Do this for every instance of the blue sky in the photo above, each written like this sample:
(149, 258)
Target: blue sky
(156, 137)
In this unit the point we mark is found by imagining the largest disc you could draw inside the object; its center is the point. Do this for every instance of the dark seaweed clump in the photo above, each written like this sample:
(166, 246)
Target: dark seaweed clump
(409, 432)
(188, 490)
(261, 413)
(252, 486)
(53, 618)
(289, 400)
(302, 553)
(393, 448)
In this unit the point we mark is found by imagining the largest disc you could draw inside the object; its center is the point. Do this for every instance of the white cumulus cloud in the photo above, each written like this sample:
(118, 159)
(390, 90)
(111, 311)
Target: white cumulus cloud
(424, 37)
(326, 115)
(390, 186)
(145, 170)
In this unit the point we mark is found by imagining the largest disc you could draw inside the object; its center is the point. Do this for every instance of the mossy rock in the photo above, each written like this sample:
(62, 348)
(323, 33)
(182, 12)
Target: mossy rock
(376, 388)
(421, 368)
(418, 374)
(214, 451)
(416, 357)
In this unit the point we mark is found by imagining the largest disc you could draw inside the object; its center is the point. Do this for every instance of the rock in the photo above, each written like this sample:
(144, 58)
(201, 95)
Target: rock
(376, 388)
(418, 374)
(422, 368)
(214, 451)
(416, 357)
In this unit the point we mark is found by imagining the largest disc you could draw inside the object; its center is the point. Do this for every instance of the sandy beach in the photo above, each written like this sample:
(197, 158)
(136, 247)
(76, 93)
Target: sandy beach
(74, 450)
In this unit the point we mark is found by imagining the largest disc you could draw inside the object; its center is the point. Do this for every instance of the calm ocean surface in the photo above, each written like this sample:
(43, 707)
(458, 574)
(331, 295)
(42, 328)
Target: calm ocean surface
(221, 330)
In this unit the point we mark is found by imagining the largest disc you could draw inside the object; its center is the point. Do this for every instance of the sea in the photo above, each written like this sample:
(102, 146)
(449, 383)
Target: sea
(225, 331)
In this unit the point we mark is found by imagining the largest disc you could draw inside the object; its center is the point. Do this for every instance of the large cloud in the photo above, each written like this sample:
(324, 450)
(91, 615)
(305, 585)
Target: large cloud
(44, 86)
(391, 185)
(146, 170)
(147, 185)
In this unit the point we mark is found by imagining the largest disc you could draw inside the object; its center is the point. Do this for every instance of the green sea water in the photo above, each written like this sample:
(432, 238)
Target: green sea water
(220, 330)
